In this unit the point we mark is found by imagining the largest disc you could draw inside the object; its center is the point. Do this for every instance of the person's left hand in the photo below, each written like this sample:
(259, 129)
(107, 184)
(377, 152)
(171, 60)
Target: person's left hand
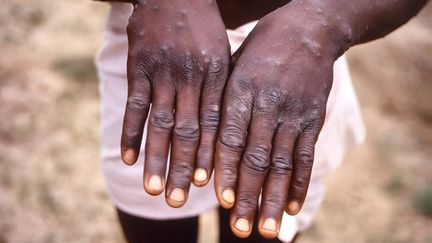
(274, 108)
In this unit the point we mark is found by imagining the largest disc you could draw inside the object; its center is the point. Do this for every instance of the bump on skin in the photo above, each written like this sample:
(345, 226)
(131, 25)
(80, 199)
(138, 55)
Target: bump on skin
(314, 47)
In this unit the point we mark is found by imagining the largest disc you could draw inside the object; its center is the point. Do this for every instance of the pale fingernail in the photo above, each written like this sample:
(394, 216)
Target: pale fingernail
(129, 156)
(269, 224)
(200, 175)
(294, 207)
(228, 196)
(177, 194)
(155, 183)
(242, 224)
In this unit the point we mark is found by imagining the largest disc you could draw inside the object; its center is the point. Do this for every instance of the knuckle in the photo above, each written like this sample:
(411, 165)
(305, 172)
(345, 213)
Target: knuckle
(163, 120)
(282, 164)
(229, 173)
(305, 156)
(187, 131)
(314, 119)
(275, 201)
(265, 108)
(301, 182)
(144, 62)
(246, 200)
(313, 126)
(271, 97)
(181, 168)
(140, 62)
(243, 84)
(217, 68)
(210, 120)
(294, 105)
(130, 136)
(189, 68)
(137, 103)
(233, 138)
(256, 158)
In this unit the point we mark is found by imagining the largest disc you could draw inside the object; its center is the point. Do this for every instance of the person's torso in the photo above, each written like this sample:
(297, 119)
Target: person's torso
(239, 12)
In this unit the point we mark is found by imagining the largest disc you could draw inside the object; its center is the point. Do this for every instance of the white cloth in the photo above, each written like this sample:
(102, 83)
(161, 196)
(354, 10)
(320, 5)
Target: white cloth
(342, 129)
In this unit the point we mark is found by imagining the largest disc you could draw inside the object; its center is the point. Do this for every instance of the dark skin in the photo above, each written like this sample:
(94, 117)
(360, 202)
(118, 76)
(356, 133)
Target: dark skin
(264, 132)
(178, 59)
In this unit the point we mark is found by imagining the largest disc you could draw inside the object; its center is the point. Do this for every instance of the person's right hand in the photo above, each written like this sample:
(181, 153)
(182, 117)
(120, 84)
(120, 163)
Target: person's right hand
(178, 62)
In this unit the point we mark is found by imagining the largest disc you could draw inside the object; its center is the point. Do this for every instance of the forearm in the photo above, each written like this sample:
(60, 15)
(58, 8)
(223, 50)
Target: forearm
(370, 20)
(358, 21)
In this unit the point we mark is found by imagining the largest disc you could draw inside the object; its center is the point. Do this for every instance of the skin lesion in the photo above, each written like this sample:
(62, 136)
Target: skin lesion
(187, 131)
(312, 46)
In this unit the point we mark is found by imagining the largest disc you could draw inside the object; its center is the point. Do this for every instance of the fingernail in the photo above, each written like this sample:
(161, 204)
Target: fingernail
(228, 196)
(177, 194)
(242, 224)
(129, 156)
(269, 224)
(200, 175)
(294, 207)
(155, 183)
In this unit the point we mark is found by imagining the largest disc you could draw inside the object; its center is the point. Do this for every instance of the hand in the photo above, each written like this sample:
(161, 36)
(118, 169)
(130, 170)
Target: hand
(274, 108)
(178, 61)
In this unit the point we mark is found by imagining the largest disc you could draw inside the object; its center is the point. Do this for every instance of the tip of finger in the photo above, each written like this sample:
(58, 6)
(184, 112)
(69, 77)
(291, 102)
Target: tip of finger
(269, 228)
(226, 198)
(129, 156)
(200, 174)
(200, 183)
(200, 177)
(241, 227)
(176, 198)
(293, 208)
(154, 185)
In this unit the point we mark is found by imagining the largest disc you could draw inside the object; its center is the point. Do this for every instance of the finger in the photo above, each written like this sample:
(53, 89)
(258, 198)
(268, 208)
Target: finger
(161, 123)
(253, 170)
(275, 192)
(302, 169)
(236, 113)
(184, 144)
(137, 107)
(209, 120)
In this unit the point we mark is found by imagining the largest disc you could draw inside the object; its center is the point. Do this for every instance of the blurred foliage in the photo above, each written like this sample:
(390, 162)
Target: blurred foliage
(17, 21)
(79, 68)
(423, 200)
(395, 184)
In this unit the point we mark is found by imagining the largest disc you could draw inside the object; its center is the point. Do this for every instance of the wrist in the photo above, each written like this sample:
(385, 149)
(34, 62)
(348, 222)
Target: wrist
(318, 23)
